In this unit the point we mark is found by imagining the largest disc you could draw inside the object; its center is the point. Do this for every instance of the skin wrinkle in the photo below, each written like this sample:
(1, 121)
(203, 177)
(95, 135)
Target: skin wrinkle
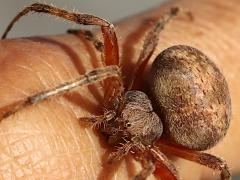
(70, 129)
(56, 73)
(69, 73)
(15, 145)
(53, 156)
(13, 161)
(67, 153)
(42, 80)
(69, 106)
(15, 88)
(72, 56)
(209, 43)
(52, 139)
(64, 143)
(18, 90)
(22, 139)
(80, 153)
(226, 6)
(56, 156)
(53, 136)
(90, 168)
(93, 145)
(97, 155)
(34, 73)
(28, 132)
(56, 53)
(218, 32)
(5, 163)
(23, 67)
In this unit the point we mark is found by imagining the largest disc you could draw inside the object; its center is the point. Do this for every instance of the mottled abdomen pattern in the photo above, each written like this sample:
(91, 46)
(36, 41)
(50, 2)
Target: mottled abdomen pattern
(191, 96)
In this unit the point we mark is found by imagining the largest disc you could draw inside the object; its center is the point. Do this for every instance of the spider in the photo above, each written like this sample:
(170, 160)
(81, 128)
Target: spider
(147, 125)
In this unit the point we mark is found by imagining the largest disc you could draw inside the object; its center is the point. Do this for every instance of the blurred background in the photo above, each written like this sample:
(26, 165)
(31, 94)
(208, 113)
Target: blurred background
(43, 25)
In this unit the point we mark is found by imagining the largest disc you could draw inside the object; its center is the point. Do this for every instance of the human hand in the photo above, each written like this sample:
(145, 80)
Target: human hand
(47, 140)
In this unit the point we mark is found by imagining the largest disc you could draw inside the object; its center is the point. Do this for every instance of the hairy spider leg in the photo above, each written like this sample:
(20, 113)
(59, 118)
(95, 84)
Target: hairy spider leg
(110, 39)
(121, 152)
(114, 86)
(111, 51)
(164, 168)
(148, 167)
(89, 36)
(152, 160)
(150, 44)
(205, 159)
(91, 77)
(99, 46)
(98, 122)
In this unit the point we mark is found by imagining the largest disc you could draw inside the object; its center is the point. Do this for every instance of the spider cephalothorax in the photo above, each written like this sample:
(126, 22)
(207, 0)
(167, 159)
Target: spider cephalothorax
(186, 90)
(136, 122)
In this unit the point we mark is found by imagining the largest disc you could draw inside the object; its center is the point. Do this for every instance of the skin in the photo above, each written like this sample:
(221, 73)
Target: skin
(47, 139)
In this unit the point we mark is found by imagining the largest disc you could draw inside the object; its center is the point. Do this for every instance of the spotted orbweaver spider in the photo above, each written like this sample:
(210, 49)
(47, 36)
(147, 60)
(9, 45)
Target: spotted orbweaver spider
(191, 102)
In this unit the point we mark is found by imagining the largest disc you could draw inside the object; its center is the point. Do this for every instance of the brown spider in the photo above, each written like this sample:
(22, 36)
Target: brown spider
(191, 103)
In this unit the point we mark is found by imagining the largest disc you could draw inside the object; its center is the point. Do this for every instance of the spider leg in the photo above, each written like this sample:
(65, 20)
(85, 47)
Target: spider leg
(89, 78)
(150, 44)
(111, 52)
(148, 168)
(153, 160)
(89, 36)
(111, 84)
(121, 152)
(164, 167)
(110, 40)
(205, 159)
(114, 90)
(100, 121)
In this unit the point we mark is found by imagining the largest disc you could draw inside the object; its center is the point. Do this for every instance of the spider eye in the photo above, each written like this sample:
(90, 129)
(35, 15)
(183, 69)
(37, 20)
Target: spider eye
(128, 125)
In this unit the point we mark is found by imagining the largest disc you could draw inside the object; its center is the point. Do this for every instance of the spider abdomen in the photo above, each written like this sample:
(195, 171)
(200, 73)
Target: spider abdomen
(191, 96)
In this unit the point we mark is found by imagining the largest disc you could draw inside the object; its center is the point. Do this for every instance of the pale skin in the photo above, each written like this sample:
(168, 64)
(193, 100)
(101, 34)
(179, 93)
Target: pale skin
(48, 140)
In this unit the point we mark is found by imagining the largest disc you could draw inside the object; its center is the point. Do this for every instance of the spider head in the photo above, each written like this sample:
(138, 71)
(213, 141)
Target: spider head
(140, 121)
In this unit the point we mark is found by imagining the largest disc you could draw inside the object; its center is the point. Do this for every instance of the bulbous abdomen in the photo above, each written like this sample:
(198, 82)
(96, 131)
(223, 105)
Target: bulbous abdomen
(191, 96)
